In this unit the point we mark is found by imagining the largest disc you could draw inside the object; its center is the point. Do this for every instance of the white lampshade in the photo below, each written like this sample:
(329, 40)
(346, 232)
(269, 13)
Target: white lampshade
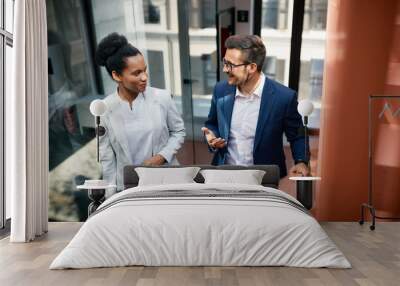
(305, 107)
(98, 107)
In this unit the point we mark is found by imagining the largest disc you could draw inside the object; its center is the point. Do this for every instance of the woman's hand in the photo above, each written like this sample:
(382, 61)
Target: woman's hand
(156, 160)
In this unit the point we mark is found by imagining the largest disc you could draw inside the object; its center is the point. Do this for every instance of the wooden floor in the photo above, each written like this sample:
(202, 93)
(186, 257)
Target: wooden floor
(375, 257)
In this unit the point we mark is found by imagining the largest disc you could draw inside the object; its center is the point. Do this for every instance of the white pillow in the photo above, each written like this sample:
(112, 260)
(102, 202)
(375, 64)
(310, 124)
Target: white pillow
(248, 177)
(166, 176)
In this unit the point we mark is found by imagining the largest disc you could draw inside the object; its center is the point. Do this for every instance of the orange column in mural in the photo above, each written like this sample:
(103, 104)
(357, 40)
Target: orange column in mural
(362, 58)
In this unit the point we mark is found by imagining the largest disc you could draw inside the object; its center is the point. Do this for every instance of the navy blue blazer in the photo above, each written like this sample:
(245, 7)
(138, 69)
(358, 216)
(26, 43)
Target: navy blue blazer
(278, 114)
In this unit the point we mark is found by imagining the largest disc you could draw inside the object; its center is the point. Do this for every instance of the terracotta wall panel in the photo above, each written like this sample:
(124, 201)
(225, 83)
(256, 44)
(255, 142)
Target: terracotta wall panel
(361, 38)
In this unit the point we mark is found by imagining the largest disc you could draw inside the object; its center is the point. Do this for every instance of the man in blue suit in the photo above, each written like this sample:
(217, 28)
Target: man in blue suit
(250, 113)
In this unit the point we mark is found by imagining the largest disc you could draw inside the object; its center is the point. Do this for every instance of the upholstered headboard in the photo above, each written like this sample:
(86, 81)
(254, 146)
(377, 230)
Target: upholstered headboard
(270, 179)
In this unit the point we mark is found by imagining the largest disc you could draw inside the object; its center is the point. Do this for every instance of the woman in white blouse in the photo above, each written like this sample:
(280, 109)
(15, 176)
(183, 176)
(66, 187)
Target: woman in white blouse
(142, 123)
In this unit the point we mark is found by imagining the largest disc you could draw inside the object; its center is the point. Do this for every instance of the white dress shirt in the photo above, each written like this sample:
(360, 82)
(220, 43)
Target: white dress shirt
(138, 129)
(243, 126)
(153, 126)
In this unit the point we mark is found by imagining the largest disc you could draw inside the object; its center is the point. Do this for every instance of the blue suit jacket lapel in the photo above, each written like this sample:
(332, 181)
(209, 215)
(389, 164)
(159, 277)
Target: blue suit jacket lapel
(227, 102)
(267, 101)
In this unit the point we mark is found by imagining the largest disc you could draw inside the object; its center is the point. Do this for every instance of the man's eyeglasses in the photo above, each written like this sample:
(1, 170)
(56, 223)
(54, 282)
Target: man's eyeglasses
(230, 65)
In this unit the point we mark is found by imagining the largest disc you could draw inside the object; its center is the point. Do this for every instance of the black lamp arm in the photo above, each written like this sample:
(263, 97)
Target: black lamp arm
(306, 150)
(305, 121)
(100, 131)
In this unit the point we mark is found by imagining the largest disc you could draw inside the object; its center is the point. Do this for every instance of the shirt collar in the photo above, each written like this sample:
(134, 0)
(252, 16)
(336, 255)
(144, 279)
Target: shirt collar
(140, 97)
(257, 92)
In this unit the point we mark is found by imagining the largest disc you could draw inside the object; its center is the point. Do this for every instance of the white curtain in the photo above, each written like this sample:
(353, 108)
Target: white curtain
(27, 124)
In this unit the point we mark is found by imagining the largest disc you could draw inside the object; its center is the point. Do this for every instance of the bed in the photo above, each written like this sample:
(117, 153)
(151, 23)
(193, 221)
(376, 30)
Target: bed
(198, 224)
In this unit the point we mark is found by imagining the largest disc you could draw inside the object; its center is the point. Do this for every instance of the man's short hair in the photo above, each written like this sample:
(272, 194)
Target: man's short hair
(251, 47)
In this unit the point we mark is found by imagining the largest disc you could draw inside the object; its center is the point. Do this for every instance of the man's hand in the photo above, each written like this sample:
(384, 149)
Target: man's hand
(213, 141)
(156, 160)
(299, 169)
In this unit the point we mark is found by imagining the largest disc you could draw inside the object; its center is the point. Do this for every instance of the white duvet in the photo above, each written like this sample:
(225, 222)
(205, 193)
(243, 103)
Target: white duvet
(185, 231)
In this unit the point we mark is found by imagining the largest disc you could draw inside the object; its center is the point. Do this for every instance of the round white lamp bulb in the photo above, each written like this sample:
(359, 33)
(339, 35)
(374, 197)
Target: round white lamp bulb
(305, 107)
(98, 107)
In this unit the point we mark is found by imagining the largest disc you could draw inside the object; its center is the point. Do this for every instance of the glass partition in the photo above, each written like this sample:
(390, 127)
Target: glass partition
(75, 27)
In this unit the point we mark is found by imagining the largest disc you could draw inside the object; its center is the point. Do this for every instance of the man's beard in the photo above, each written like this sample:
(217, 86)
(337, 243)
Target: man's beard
(237, 81)
(244, 81)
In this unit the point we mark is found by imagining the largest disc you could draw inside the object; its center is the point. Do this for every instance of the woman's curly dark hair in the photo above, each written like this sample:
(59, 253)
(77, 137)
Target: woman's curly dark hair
(112, 52)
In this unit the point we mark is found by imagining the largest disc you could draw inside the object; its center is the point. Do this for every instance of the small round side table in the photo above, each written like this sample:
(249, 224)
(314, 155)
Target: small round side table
(304, 190)
(96, 194)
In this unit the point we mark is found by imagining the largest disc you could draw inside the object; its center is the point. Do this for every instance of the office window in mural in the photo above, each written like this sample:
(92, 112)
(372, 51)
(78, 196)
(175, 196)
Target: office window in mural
(155, 66)
(274, 68)
(276, 35)
(204, 74)
(315, 12)
(311, 76)
(313, 56)
(151, 12)
(275, 14)
(200, 16)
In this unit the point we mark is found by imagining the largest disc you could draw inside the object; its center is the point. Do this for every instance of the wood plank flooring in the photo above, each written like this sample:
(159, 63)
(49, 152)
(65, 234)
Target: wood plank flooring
(375, 257)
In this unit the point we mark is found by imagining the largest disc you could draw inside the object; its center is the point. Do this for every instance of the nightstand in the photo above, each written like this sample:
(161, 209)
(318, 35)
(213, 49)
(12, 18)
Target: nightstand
(96, 194)
(304, 190)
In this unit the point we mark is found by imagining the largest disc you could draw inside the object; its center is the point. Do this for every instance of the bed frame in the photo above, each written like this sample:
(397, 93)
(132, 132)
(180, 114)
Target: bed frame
(270, 179)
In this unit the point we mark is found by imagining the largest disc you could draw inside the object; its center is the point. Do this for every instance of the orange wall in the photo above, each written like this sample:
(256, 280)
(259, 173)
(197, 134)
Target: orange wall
(362, 58)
